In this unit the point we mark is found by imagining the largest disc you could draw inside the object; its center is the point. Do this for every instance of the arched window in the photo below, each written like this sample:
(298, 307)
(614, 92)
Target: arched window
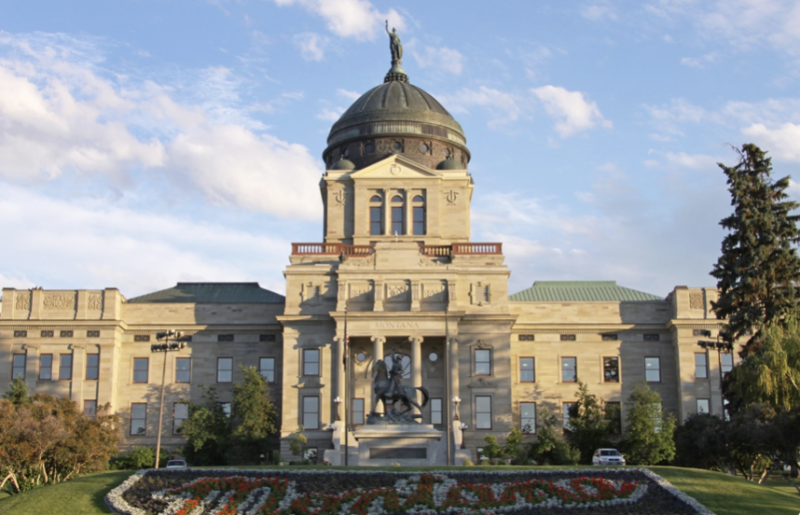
(397, 215)
(376, 215)
(418, 210)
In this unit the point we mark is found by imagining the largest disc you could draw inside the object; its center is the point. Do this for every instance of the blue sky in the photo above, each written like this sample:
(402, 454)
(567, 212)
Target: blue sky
(148, 142)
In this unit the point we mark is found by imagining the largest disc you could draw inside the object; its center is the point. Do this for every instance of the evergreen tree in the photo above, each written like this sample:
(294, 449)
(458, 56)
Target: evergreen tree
(18, 393)
(649, 433)
(590, 429)
(207, 431)
(759, 267)
(254, 416)
(549, 447)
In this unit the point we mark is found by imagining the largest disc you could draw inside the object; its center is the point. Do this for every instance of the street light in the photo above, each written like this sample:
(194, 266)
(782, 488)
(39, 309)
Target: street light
(337, 401)
(456, 401)
(165, 348)
(463, 427)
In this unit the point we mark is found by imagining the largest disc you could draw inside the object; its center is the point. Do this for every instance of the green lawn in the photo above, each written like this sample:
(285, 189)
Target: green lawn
(723, 494)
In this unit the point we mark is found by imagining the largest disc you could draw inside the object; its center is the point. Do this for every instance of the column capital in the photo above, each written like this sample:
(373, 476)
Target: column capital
(378, 339)
(416, 339)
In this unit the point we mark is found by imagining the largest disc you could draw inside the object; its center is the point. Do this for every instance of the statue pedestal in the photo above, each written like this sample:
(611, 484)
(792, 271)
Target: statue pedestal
(410, 445)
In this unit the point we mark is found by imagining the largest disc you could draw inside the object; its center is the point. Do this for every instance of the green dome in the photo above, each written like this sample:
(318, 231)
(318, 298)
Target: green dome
(449, 164)
(343, 164)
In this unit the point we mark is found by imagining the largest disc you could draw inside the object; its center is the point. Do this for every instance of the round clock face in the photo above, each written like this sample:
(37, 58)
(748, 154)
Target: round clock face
(433, 357)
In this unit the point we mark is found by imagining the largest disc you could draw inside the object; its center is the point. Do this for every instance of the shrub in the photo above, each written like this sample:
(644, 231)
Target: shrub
(139, 458)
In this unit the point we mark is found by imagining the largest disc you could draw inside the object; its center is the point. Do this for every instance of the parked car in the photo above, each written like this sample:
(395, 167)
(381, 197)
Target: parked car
(607, 457)
(176, 464)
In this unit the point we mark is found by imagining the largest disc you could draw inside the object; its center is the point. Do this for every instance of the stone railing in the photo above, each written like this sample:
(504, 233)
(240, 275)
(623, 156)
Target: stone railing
(337, 249)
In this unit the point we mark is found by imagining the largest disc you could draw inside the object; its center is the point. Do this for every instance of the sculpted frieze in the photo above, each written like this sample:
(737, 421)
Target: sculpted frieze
(59, 300)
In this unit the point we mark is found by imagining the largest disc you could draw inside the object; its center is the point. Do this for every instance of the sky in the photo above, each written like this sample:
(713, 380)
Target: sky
(148, 142)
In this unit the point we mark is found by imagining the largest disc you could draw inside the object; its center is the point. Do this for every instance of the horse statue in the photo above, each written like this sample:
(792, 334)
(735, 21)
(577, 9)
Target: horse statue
(382, 390)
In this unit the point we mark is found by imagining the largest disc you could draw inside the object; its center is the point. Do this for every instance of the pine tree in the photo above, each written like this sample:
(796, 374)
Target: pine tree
(759, 269)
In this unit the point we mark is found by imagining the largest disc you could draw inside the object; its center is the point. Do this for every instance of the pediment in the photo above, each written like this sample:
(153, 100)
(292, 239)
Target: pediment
(395, 167)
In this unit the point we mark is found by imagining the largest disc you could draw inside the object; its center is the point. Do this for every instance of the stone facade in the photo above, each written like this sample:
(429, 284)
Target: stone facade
(396, 270)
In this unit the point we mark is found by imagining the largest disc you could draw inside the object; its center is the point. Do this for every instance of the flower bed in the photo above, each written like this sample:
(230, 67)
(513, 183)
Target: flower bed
(281, 492)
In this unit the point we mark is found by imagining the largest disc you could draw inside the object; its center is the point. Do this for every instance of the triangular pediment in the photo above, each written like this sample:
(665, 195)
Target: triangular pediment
(395, 167)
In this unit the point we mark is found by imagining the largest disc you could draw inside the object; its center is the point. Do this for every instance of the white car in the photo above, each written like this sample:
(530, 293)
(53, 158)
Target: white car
(176, 464)
(607, 457)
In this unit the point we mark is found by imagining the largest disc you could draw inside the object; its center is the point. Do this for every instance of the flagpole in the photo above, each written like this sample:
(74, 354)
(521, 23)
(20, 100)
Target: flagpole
(346, 389)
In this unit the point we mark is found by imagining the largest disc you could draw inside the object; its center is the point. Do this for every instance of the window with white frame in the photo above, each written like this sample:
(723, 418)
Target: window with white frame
(527, 372)
(652, 369)
(358, 412)
(224, 370)
(569, 370)
(311, 412)
(527, 417)
(310, 362)
(483, 412)
(483, 362)
(266, 367)
(436, 410)
(183, 370)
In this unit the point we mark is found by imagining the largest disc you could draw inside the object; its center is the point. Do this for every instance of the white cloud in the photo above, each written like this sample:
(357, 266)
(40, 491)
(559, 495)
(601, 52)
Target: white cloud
(699, 62)
(683, 160)
(61, 116)
(135, 251)
(782, 142)
(442, 58)
(668, 118)
(348, 95)
(357, 19)
(311, 45)
(504, 107)
(330, 114)
(573, 111)
(598, 11)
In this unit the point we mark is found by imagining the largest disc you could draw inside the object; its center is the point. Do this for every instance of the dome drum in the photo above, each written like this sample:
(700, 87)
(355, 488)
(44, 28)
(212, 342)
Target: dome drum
(428, 152)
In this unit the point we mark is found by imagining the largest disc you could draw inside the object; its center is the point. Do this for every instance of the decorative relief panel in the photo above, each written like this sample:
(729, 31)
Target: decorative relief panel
(95, 302)
(361, 291)
(339, 197)
(696, 300)
(397, 292)
(22, 301)
(480, 294)
(451, 197)
(59, 300)
(435, 292)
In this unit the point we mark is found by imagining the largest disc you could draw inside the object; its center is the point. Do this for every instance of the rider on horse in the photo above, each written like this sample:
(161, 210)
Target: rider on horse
(396, 374)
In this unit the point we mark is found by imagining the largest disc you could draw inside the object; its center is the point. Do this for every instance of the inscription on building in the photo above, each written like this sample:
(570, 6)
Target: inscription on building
(395, 325)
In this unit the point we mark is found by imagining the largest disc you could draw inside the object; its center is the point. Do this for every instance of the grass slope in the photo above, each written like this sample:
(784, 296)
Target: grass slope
(722, 494)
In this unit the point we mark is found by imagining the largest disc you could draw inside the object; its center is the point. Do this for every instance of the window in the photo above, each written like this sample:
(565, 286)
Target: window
(725, 363)
(224, 337)
(610, 337)
(569, 370)
(418, 209)
(90, 408)
(65, 367)
(651, 337)
(141, 338)
(700, 365)
(397, 215)
(527, 337)
(46, 367)
(614, 414)
(358, 412)
(47, 334)
(527, 417)
(526, 370)
(18, 366)
(267, 338)
(483, 412)
(310, 362)
(93, 334)
(611, 370)
(180, 412)
(183, 370)
(92, 366)
(141, 369)
(566, 410)
(266, 367)
(66, 334)
(20, 334)
(224, 370)
(703, 406)
(138, 419)
(376, 215)
(311, 412)
(483, 362)
(567, 338)
(652, 370)
(436, 411)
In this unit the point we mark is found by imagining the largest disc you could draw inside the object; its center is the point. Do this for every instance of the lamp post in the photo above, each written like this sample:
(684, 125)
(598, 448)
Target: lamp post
(165, 348)
(337, 401)
(463, 427)
(456, 402)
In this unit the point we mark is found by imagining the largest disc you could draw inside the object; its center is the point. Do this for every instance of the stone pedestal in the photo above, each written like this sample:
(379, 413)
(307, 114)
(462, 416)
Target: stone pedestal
(410, 445)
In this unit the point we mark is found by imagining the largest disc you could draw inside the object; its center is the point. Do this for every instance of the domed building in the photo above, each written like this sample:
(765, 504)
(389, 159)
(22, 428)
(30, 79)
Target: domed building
(395, 279)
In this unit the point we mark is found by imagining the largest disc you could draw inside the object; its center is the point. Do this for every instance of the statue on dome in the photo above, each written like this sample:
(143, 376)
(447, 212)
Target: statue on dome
(394, 43)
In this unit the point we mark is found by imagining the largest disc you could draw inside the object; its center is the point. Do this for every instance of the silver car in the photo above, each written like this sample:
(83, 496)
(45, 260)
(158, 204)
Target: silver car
(607, 457)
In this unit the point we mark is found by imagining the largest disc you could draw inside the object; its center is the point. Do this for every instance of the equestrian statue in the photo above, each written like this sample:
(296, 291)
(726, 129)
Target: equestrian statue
(387, 387)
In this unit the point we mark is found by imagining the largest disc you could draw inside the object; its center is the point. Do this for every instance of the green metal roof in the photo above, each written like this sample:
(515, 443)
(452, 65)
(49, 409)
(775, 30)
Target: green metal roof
(213, 293)
(580, 291)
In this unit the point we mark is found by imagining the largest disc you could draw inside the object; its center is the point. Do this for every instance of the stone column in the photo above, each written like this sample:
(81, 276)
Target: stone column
(377, 348)
(416, 360)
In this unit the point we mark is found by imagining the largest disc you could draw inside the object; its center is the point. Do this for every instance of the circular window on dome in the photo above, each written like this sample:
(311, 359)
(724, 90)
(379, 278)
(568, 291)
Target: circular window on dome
(369, 148)
(361, 357)
(346, 153)
(447, 153)
(424, 148)
(433, 357)
(397, 146)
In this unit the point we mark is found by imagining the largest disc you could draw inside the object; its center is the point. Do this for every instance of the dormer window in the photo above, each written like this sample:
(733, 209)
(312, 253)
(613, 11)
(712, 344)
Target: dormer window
(418, 213)
(397, 215)
(376, 215)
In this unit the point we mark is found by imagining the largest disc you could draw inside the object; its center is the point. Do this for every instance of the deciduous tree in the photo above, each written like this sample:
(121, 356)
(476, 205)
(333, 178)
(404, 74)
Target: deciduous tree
(649, 433)
(589, 429)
